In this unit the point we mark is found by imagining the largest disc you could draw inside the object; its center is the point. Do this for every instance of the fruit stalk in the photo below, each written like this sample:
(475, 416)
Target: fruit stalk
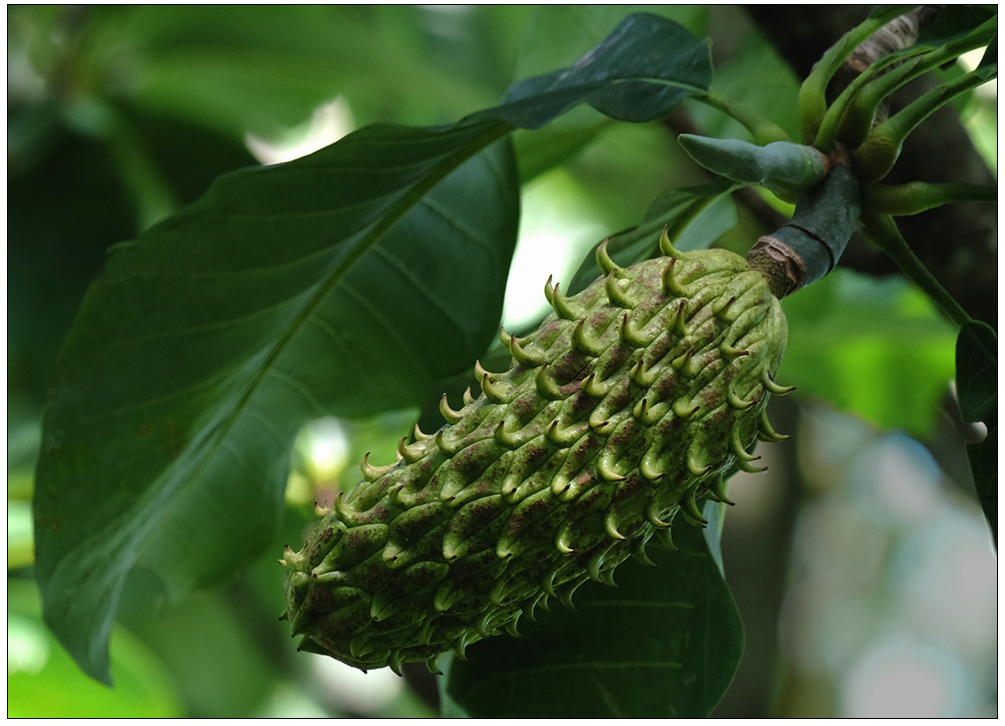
(810, 244)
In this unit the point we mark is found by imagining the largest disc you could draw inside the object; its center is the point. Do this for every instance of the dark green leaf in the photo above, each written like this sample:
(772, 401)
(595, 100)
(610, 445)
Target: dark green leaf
(344, 283)
(953, 23)
(553, 37)
(977, 388)
(696, 217)
(645, 67)
(977, 372)
(554, 34)
(664, 643)
(990, 57)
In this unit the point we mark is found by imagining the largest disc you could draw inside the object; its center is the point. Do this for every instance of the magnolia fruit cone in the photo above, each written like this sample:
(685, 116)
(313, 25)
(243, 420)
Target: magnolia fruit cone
(625, 407)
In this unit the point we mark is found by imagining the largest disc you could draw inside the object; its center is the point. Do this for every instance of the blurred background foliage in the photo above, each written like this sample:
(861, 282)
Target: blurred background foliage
(861, 563)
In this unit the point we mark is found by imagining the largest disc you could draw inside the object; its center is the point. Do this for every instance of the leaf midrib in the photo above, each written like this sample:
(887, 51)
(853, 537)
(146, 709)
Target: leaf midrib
(454, 160)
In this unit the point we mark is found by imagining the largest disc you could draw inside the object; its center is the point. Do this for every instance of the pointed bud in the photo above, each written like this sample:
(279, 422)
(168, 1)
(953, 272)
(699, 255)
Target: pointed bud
(604, 261)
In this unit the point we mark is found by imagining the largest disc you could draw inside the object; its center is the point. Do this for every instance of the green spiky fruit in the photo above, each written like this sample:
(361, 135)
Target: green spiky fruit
(622, 409)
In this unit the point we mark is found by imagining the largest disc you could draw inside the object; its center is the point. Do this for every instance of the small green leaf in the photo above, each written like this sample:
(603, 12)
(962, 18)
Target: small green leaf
(664, 643)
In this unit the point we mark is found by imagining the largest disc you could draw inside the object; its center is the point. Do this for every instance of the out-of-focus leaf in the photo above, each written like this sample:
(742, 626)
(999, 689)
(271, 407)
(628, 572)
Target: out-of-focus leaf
(953, 23)
(20, 550)
(874, 348)
(756, 76)
(663, 644)
(44, 682)
(265, 68)
(696, 217)
(189, 157)
(63, 211)
(542, 150)
(977, 387)
(344, 283)
(220, 667)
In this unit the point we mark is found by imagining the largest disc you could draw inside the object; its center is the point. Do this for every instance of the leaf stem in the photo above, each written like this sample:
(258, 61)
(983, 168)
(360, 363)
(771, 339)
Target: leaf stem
(851, 115)
(916, 197)
(762, 129)
(884, 233)
(881, 148)
(852, 122)
(813, 91)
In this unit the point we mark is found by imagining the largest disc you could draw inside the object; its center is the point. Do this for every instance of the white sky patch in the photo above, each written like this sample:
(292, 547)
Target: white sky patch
(904, 678)
(328, 123)
(327, 447)
(970, 61)
(353, 689)
(556, 227)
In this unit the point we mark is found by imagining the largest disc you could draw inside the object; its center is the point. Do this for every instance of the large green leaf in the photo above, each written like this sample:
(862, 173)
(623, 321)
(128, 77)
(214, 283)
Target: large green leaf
(977, 387)
(664, 643)
(207, 342)
(344, 283)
